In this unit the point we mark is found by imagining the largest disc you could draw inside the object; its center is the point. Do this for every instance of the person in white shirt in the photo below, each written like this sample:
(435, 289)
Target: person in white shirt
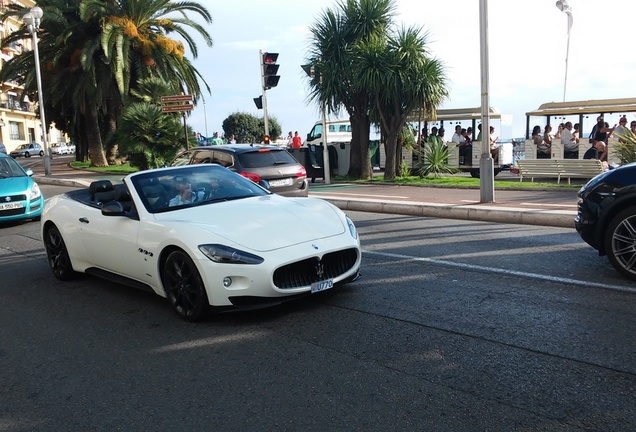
(464, 149)
(570, 143)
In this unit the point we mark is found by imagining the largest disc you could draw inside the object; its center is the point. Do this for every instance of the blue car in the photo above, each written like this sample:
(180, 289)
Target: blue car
(20, 195)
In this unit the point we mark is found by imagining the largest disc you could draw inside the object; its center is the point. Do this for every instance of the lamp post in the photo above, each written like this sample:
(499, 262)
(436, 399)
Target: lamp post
(32, 21)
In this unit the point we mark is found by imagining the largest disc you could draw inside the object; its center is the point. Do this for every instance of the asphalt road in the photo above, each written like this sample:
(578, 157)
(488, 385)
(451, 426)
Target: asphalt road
(455, 325)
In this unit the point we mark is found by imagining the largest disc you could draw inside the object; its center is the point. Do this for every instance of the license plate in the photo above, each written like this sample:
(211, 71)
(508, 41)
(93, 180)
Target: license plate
(321, 286)
(11, 206)
(280, 182)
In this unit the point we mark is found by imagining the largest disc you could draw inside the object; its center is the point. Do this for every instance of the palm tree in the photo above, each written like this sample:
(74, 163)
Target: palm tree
(92, 50)
(69, 72)
(333, 39)
(134, 39)
(402, 78)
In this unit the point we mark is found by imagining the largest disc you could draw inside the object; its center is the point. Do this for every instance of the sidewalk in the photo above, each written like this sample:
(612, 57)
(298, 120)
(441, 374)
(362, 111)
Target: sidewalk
(533, 207)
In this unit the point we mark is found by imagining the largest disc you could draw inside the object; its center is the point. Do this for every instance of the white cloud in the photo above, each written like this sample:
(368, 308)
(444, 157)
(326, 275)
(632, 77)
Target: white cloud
(527, 49)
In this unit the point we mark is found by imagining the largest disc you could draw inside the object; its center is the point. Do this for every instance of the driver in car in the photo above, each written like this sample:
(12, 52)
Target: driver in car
(184, 193)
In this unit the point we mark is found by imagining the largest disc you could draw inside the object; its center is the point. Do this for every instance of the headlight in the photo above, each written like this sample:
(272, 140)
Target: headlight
(34, 193)
(228, 255)
(352, 228)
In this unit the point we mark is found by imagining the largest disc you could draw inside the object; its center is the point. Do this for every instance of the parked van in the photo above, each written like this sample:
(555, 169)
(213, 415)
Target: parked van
(339, 136)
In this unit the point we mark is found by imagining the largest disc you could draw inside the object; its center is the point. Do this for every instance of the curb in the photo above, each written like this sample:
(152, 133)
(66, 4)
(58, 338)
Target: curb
(473, 212)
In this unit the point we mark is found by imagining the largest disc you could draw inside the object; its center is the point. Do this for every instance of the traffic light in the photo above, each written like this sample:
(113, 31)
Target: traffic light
(258, 102)
(270, 68)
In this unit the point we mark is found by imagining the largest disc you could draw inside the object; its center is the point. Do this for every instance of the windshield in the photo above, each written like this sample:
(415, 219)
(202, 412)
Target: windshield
(10, 168)
(172, 189)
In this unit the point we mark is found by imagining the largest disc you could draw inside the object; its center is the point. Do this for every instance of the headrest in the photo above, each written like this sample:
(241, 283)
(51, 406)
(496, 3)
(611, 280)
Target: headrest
(100, 186)
(122, 194)
(153, 191)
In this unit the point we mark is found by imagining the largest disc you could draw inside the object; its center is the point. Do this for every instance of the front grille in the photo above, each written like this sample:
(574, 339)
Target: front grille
(310, 270)
(12, 212)
(12, 198)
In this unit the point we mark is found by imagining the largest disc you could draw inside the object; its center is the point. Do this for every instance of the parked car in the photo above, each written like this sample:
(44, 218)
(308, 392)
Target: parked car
(71, 148)
(60, 149)
(201, 236)
(20, 196)
(3, 149)
(282, 172)
(606, 217)
(28, 150)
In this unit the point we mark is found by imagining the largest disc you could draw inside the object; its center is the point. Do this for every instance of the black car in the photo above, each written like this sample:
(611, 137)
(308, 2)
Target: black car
(282, 172)
(606, 217)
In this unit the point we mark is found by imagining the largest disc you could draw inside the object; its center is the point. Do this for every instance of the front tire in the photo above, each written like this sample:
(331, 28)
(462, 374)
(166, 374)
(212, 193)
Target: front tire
(41, 153)
(57, 255)
(27, 154)
(620, 242)
(184, 287)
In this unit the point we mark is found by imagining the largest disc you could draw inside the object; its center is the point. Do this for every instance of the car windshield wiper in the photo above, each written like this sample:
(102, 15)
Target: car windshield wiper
(227, 198)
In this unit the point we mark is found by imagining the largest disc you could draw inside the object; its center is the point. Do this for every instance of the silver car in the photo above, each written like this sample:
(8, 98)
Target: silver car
(27, 150)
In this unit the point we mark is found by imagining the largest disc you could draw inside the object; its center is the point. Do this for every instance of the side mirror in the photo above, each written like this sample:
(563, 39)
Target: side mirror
(264, 184)
(29, 172)
(113, 208)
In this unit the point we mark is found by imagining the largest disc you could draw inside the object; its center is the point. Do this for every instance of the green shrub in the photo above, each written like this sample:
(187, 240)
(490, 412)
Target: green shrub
(625, 149)
(434, 161)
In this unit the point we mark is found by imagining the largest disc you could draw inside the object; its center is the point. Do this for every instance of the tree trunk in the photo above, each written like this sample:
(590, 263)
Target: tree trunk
(390, 148)
(360, 165)
(95, 148)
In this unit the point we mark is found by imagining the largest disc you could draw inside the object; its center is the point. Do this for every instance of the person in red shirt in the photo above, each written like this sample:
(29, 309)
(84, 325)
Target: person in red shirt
(297, 142)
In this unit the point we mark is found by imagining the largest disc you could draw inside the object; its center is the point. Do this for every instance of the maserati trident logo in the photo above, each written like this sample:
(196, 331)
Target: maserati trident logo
(7, 199)
(320, 270)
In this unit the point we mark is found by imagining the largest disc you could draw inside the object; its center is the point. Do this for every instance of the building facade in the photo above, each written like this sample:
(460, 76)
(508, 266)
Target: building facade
(19, 117)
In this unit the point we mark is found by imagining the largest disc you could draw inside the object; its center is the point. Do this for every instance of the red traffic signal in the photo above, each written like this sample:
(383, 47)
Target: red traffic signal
(270, 69)
(270, 58)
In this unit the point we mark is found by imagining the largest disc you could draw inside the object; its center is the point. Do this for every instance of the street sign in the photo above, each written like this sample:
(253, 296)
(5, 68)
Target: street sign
(176, 98)
(172, 108)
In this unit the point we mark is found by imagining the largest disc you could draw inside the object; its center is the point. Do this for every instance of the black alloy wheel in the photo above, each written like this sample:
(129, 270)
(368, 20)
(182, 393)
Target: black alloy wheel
(620, 242)
(184, 287)
(57, 254)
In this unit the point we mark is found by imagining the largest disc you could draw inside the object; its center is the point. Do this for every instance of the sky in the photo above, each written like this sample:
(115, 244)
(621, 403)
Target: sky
(528, 42)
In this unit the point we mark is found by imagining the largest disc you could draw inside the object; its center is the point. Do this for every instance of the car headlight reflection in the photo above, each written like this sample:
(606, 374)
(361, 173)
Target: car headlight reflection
(352, 228)
(228, 255)
(35, 192)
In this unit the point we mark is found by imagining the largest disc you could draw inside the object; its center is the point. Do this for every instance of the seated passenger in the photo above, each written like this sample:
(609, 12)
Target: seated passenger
(570, 142)
(543, 149)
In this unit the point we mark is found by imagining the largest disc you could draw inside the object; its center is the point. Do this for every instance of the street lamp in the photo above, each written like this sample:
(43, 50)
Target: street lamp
(32, 21)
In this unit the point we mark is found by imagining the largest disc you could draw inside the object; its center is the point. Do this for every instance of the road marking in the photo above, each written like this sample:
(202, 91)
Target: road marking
(507, 272)
(550, 205)
(363, 195)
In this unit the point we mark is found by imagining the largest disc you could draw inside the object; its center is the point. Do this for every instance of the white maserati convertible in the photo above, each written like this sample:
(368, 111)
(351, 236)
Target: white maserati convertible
(201, 236)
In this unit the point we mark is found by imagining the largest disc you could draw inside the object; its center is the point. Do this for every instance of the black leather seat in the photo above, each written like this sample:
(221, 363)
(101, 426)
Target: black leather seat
(156, 196)
(101, 191)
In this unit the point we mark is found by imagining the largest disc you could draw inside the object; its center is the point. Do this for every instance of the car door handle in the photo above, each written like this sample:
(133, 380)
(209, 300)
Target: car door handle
(83, 220)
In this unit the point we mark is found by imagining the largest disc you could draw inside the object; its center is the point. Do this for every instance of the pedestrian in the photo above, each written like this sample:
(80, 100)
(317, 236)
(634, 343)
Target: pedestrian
(232, 139)
(290, 140)
(297, 141)
(216, 140)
